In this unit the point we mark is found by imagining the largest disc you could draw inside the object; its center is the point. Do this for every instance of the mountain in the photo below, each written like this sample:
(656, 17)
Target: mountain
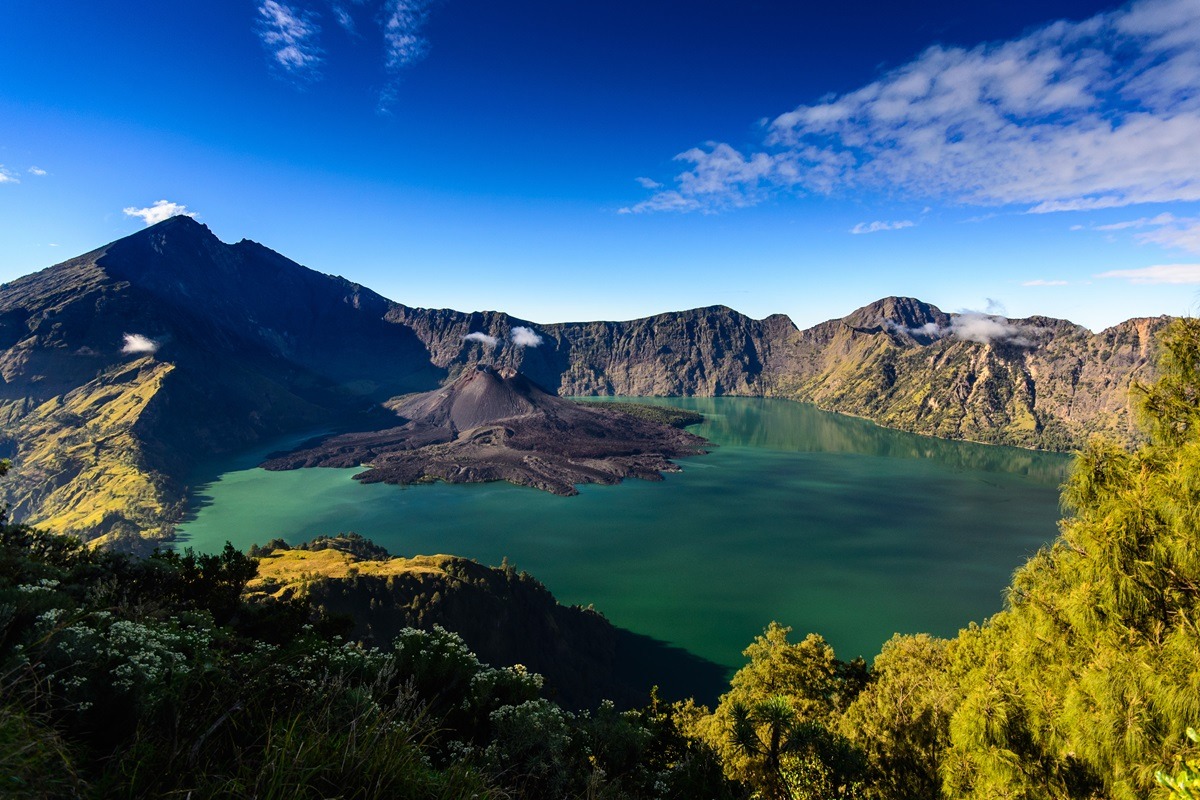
(491, 425)
(124, 368)
(1037, 382)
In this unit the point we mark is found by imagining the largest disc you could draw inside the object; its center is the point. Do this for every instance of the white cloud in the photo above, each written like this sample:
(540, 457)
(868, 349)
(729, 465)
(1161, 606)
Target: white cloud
(1161, 219)
(290, 36)
(7, 176)
(135, 343)
(1178, 234)
(875, 227)
(525, 337)
(1099, 113)
(1044, 282)
(648, 183)
(341, 12)
(1160, 273)
(482, 338)
(402, 24)
(37, 171)
(161, 210)
(971, 326)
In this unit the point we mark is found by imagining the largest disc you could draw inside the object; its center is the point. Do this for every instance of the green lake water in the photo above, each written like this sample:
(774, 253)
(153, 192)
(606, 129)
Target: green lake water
(822, 522)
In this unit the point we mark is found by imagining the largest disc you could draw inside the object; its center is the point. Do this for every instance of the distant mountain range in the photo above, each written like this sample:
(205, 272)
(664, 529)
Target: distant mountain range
(124, 368)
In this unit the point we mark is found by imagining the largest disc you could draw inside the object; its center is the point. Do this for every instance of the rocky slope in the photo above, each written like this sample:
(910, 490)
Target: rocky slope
(492, 425)
(123, 368)
(507, 617)
(1037, 382)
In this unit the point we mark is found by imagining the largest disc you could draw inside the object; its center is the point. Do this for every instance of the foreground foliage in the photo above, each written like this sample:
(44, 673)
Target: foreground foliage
(125, 677)
(157, 677)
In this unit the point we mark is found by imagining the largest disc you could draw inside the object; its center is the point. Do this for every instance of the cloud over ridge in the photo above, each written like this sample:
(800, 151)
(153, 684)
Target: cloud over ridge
(482, 338)
(525, 337)
(136, 344)
(159, 211)
(1100, 113)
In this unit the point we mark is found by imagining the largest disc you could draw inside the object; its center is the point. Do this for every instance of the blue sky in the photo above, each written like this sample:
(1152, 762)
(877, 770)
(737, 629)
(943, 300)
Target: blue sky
(584, 160)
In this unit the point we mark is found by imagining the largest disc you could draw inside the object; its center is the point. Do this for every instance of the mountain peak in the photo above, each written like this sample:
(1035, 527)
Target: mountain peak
(893, 313)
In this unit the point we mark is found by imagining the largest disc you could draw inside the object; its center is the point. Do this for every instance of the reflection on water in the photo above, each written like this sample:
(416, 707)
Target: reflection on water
(802, 427)
(822, 522)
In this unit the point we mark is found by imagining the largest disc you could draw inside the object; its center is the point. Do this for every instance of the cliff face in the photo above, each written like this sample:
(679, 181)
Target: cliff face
(1036, 382)
(703, 351)
(505, 616)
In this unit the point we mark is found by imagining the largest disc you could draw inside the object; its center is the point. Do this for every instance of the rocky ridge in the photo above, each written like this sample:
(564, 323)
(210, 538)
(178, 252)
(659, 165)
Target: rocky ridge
(232, 345)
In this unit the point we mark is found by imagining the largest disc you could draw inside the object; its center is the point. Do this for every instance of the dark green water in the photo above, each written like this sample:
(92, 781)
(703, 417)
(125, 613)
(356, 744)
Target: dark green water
(822, 522)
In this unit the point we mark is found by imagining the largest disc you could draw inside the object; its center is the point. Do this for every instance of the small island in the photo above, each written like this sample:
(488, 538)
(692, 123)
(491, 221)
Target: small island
(497, 425)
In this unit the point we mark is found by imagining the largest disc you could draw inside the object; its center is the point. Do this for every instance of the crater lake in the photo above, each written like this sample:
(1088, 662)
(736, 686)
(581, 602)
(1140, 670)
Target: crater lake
(823, 522)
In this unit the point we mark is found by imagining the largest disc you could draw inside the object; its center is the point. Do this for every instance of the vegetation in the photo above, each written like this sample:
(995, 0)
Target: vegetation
(667, 415)
(156, 677)
(162, 677)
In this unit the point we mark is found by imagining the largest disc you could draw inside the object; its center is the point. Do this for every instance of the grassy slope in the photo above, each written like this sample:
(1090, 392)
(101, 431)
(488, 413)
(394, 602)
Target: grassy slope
(82, 465)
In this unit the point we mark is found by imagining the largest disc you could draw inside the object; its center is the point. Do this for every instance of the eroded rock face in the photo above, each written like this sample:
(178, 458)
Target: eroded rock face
(1037, 382)
(496, 424)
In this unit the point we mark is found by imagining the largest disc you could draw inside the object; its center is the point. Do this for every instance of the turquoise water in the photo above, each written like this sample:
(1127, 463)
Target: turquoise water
(822, 522)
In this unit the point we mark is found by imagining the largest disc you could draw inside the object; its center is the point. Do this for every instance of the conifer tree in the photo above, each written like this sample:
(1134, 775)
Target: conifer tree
(1083, 687)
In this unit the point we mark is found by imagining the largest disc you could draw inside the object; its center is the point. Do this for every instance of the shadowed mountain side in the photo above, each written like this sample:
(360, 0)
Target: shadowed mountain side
(122, 368)
(506, 617)
(494, 425)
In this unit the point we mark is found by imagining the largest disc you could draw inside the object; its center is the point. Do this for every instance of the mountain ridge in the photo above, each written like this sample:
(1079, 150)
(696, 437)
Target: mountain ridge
(238, 344)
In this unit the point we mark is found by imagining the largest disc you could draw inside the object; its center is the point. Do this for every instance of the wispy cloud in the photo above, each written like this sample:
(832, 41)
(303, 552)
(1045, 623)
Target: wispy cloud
(648, 183)
(37, 171)
(1165, 230)
(1160, 273)
(1142, 222)
(161, 210)
(341, 13)
(404, 42)
(482, 338)
(290, 36)
(137, 344)
(291, 31)
(7, 176)
(1183, 234)
(1072, 116)
(1044, 282)
(879, 225)
(525, 337)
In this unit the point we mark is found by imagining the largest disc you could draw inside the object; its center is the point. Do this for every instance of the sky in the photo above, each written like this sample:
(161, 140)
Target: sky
(584, 160)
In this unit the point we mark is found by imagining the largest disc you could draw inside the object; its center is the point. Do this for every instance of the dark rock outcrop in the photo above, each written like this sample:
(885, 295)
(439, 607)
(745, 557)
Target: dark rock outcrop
(494, 425)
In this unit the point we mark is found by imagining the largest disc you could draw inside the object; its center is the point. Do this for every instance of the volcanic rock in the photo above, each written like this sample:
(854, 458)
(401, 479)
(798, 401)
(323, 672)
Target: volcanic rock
(496, 424)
